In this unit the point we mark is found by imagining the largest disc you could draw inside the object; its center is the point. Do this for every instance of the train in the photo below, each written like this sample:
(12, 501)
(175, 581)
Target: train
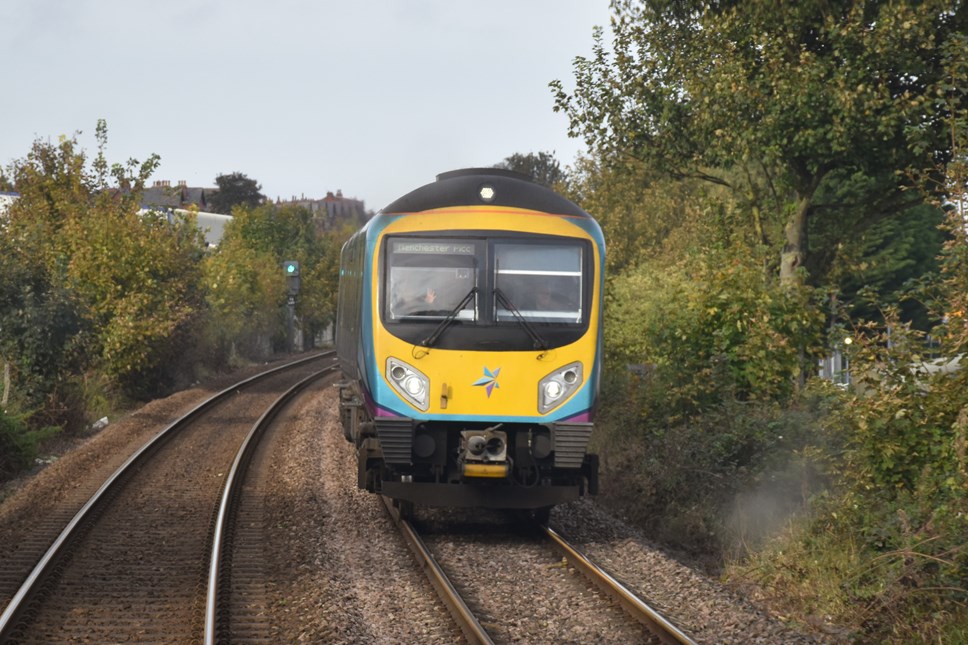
(469, 337)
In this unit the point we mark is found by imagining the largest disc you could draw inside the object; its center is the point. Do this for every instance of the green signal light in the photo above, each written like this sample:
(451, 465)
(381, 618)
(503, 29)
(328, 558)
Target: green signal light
(291, 268)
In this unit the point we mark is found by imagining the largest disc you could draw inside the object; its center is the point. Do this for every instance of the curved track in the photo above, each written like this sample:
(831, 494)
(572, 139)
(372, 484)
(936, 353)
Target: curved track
(130, 565)
(219, 612)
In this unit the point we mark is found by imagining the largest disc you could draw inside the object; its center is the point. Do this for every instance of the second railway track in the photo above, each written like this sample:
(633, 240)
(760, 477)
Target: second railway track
(133, 564)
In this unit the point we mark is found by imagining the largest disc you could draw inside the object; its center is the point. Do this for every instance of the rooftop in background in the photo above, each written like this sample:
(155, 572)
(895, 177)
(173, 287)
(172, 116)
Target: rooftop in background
(333, 210)
(162, 194)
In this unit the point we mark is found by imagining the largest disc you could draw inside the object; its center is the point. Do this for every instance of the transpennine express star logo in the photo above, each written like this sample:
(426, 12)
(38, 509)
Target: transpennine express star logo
(489, 380)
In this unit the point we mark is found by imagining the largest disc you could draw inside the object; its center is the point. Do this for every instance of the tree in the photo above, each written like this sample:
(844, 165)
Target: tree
(40, 325)
(136, 277)
(542, 167)
(317, 300)
(772, 104)
(886, 261)
(91, 285)
(235, 189)
(246, 285)
(245, 291)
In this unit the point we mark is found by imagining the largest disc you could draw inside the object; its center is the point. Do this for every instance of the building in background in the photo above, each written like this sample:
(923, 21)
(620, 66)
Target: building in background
(161, 195)
(332, 211)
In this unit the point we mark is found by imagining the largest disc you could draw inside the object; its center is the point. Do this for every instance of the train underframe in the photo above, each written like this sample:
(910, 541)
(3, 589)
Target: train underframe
(525, 466)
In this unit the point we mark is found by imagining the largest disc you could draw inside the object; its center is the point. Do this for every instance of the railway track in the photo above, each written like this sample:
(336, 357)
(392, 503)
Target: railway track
(493, 623)
(309, 560)
(136, 562)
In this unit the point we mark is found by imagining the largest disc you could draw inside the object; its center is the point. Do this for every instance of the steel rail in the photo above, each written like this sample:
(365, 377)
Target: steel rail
(46, 562)
(451, 598)
(232, 489)
(652, 619)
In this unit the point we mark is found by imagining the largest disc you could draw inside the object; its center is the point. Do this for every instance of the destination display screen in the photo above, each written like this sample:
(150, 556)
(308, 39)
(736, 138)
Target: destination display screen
(431, 278)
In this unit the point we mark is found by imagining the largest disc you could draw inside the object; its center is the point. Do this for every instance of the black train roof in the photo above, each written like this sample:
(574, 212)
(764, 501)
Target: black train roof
(464, 188)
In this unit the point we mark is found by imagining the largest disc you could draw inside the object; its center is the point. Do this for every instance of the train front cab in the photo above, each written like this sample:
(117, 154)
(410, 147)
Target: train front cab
(479, 358)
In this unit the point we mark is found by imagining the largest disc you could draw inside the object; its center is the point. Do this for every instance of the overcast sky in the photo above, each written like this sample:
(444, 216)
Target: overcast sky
(374, 97)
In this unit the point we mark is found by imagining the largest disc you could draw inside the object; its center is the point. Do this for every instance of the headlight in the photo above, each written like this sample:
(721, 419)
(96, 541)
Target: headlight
(558, 386)
(553, 390)
(409, 383)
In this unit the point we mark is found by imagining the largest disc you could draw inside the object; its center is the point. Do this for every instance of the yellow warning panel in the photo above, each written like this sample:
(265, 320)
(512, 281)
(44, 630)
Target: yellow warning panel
(485, 470)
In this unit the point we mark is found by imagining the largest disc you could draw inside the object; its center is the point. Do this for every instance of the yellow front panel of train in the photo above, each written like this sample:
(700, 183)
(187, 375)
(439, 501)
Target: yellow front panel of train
(470, 383)
(483, 383)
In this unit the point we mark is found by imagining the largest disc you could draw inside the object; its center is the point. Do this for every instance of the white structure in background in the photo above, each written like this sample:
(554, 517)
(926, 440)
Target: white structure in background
(835, 368)
(212, 225)
(6, 199)
(175, 201)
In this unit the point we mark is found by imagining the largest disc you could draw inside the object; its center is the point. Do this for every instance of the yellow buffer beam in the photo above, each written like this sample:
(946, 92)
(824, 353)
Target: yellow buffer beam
(485, 470)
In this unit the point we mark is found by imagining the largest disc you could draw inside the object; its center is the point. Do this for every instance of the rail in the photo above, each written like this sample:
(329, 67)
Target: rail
(451, 598)
(652, 619)
(230, 494)
(44, 566)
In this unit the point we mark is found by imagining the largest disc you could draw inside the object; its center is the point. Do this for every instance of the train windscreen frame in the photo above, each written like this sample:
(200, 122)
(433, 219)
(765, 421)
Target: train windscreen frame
(486, 283)
(542, 281)
(430, 278)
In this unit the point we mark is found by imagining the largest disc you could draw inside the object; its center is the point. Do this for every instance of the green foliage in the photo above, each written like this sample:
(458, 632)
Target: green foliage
(712, 327)
(18, 444)
(38, 325)
(100, 302)
(542, 167)
(89, 284)
(703, 360)
(136, 278)
(245, 291)
(884, 265)
(887, 553)
(901, 415)
(121, 284)
(317, 303)
(731, 143)
(246, 288)
(715, 482)
(235, 189)
(885, 563)
(637, 212)
(770, 104)
(954, 258)
(887, 545)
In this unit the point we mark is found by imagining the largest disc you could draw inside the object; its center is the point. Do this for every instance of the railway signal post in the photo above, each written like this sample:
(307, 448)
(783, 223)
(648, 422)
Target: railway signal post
(291, 269)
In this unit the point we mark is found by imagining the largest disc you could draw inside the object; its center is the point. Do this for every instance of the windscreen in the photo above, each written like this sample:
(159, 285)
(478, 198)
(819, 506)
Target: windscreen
(429, 278)
(542, 281)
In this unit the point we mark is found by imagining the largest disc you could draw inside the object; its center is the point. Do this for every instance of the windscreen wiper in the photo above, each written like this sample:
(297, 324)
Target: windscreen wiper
(445, 323)
(539, 342)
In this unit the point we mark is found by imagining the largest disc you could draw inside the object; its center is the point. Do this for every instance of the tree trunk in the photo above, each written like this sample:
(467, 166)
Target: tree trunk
(795, 248)
(6, 385)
